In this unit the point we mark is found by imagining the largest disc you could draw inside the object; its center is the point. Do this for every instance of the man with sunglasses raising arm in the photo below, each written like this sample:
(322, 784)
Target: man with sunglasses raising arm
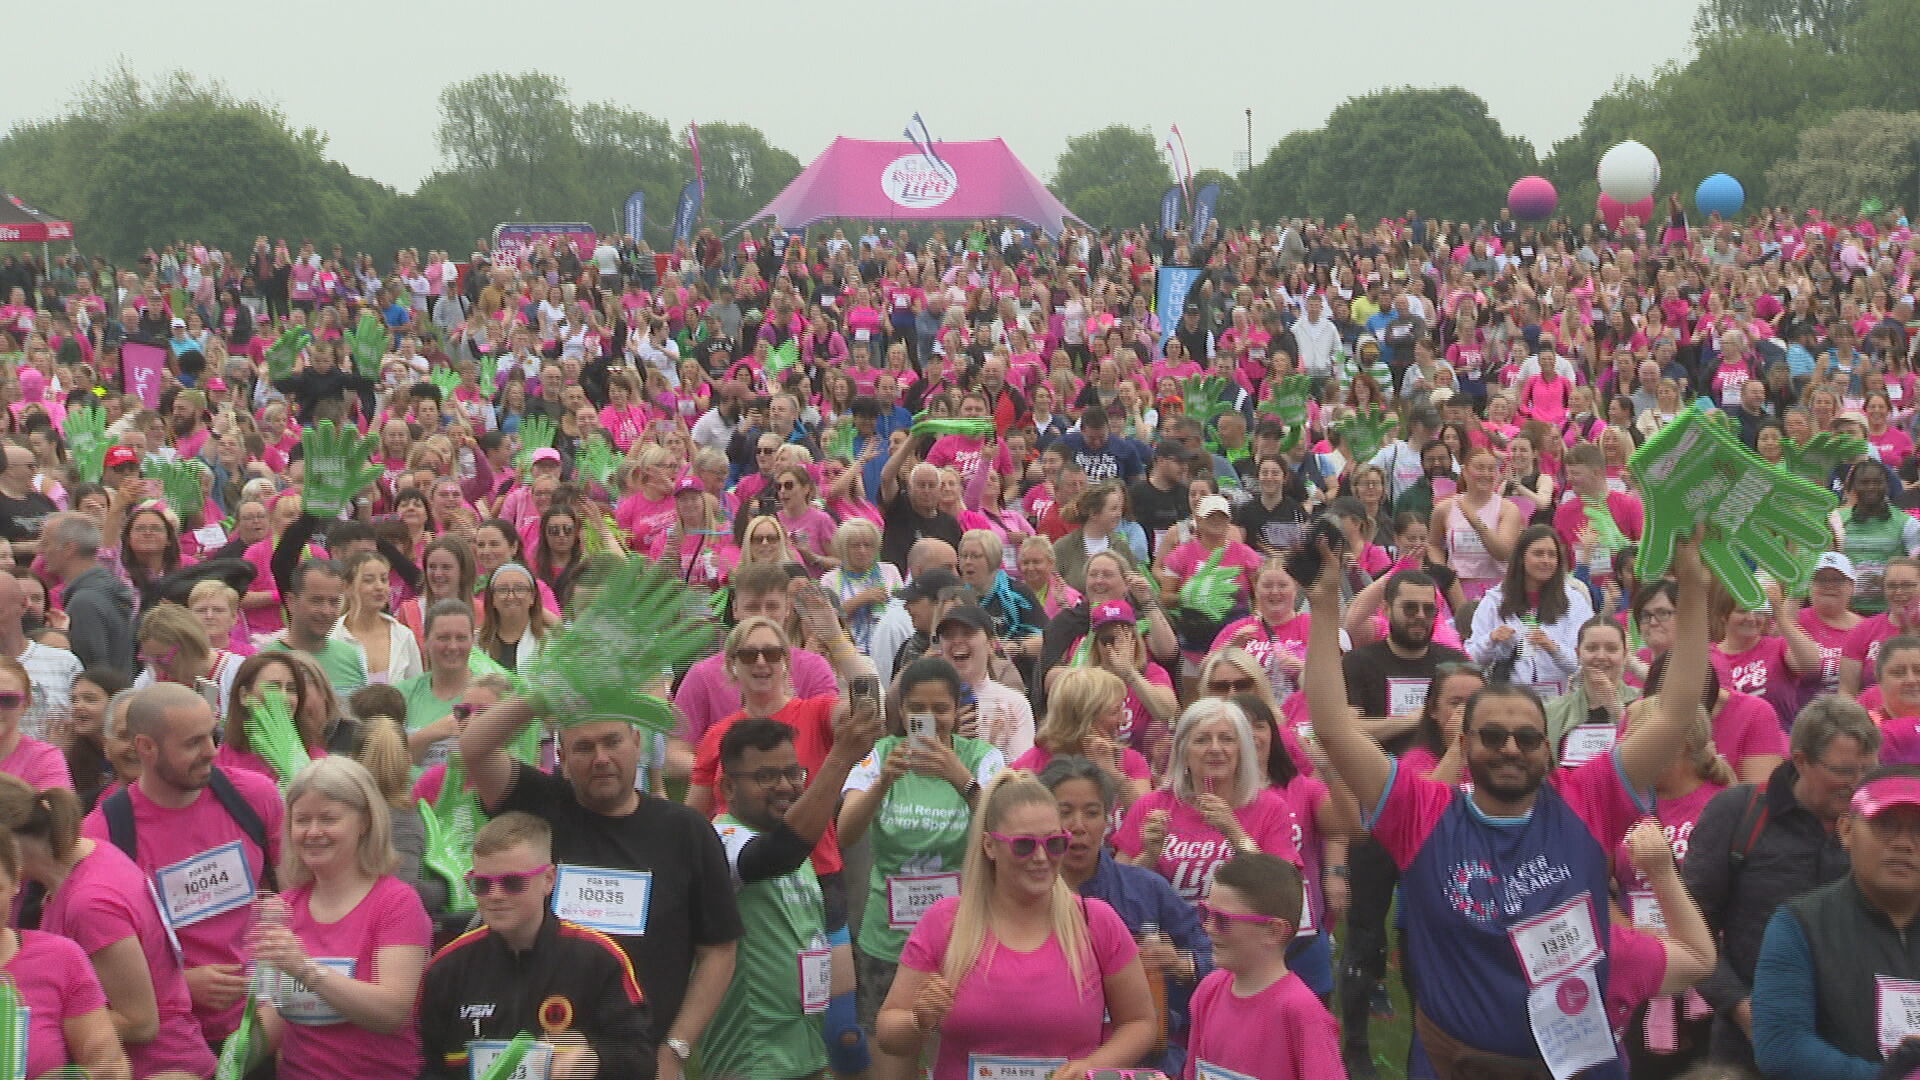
(1506, 885)
(524, 969)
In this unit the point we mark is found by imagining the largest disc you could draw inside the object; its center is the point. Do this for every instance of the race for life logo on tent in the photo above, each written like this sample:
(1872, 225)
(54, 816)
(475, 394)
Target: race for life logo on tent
(916, 183)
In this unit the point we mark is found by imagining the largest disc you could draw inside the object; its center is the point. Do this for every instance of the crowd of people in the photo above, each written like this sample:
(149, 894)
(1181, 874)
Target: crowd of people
(978, 784)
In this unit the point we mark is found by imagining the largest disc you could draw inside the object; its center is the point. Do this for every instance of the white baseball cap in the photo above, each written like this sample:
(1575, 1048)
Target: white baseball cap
(1833, 560)
(1214, 504)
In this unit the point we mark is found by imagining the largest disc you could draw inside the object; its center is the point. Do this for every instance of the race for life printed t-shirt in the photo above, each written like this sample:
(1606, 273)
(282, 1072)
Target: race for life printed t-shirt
(317, 1041)
(768, 1023)
(918, 840)
(206, 873)
(1195, 849)
(1280, 1033)
(1021, 1004)
(106, 900)
(1469, 882)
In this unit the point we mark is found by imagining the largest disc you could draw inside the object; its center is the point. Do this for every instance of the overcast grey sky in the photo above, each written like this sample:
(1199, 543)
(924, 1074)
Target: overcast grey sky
(1031, 71)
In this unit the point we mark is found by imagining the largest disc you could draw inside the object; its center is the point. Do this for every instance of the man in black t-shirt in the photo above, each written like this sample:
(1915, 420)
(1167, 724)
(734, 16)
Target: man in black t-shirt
(645, 871)
(912, 508)
(1160, 501)
(22, 509)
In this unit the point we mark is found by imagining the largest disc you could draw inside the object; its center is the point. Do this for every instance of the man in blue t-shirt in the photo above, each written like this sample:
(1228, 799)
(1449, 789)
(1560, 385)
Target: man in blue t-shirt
(1104, 455)
(1505, 887)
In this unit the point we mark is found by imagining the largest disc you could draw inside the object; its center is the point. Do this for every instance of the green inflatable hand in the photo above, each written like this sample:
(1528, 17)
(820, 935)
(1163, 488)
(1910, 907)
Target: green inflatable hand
(1212, 589)
(642, 619)
(87, 441)
(536, 433)
(273, 734)
(975, 426)
(598, 461)
(179, 485)
(1363, 435)
(339, 465)
(447, 381)
(1694, 470)
(1822, 454)
(368, 342)
(1205, 397)
(782, 358)
(286, 352)
(1289, 400)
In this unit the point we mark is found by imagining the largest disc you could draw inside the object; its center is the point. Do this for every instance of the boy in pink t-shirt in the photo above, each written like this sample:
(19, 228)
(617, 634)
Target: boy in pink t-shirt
(1251, 1016)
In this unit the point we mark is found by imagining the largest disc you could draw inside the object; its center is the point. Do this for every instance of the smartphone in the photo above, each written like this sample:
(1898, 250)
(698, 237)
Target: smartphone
(922, 726)
(865, 688)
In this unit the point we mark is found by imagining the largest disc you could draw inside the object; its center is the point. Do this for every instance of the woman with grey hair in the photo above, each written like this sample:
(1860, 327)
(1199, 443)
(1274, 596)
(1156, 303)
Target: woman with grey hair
(1215, 804)
(348, 941)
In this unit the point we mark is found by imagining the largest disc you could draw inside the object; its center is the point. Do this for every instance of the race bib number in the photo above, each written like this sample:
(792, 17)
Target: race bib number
(1899, 1008)
(997, 1067)
(1569, 1023)
(610, 901)
(1644, 909)
(535, 1066)
(816, 980)
(211, 883)
(910, 895)
(863, 334)
(1210, 1071)
(1586, 742)
(1406, 697)
(1558, 943)
(300, 1005)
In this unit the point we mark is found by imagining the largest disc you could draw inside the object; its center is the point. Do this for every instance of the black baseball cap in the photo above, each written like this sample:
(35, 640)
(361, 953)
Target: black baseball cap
(969, 614)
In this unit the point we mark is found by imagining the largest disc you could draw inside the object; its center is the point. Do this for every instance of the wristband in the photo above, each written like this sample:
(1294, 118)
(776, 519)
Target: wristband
(1341, 872)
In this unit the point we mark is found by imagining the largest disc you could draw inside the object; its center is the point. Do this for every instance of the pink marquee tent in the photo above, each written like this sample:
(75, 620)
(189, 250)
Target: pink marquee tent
(897, 181)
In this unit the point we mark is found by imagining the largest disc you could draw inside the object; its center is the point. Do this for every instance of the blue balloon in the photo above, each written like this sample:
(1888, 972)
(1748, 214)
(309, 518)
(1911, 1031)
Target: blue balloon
(1720, 194)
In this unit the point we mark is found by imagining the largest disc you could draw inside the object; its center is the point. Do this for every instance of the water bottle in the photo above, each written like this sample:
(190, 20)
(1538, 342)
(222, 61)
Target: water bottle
(270, 911)
(1156, 987)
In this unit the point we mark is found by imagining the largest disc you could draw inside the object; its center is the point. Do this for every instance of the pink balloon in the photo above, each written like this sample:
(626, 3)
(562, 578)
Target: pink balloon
(1613, 211)
(1532, 198)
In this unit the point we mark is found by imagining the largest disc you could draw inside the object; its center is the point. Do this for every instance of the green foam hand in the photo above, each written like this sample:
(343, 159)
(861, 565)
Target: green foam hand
(600, 535)
(1205, 397)
(1364, 434)
(978, 427)
(339, 465)
(1693, 470)
(641, 619)
(489, 369)
(1821, 455)
(782, 358)
(273, 734)
(286, 352)
(536, 433)
(181, 301)
(450, 822)
(447, 381)
(526, 745)
(87, 441)
(14, 1017)
(1289, 400)
(508, 1063)
(597, 461)
(841, 440)
(179, 485)
(239, 1053)
(1212, 589)
(368, 342)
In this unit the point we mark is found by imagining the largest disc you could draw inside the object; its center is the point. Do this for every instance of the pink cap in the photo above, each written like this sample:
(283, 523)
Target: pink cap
(545, 453)
(689, 484)
(1118, 611)
(1883, 795)
(217, 385)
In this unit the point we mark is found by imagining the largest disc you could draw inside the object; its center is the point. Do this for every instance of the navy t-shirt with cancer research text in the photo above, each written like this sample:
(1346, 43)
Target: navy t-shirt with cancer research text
(1468, 879)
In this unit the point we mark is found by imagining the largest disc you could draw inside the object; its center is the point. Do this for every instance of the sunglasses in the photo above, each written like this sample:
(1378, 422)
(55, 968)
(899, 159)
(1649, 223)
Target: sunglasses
(769, 776)
(13, 699)
(1023, 847)
(512, 884)
(771, 654)
(1223, 687)
(559, 530)
(786, 485)
(765, 449)
(1495, 738)
(1411, 608)
(1215, 920)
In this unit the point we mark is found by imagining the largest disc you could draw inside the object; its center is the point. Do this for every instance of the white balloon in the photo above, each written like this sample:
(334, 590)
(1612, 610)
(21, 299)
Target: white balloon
(1629, 172)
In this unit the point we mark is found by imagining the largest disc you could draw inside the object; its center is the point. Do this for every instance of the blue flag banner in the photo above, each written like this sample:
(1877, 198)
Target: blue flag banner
(1175, 283)
(1203, 211)
(1170, 210)
(686, 211)
(635, 214)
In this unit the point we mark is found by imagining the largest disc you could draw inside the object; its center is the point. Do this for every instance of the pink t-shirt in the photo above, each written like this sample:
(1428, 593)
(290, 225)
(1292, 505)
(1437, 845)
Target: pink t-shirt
(1196, 849)
(40, 765)
(1747, 727)
(1303, 795)
(106, 901)
(1677, 818)
(1863, 644)
(389, 916)
(1132, 765)
(1288, 638)
(56, 983)
(1832, 643)
(811, 531)
(707, 696)
(1280, 1033)
(641, 517)
(170, 837)
(1190, 556)
(1022, 1004)
(1899, 738)
(1755, 671)
(1636, 966)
